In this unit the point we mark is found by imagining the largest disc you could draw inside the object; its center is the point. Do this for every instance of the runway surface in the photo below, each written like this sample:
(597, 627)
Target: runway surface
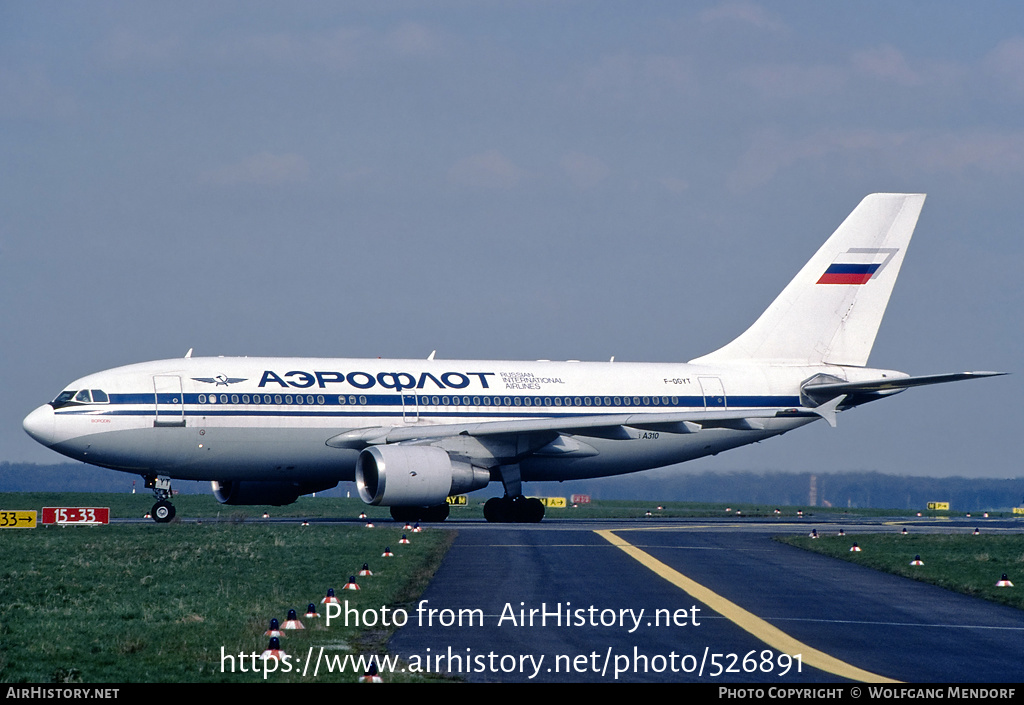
(693, 601)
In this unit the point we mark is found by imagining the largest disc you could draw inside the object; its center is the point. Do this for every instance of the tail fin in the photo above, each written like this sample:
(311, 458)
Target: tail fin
(831, 311)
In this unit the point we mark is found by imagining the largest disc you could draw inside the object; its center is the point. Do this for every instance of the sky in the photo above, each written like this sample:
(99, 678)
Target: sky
(511, 180)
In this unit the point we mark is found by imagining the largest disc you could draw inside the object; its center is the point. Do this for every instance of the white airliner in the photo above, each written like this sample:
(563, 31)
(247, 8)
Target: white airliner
(413, 432)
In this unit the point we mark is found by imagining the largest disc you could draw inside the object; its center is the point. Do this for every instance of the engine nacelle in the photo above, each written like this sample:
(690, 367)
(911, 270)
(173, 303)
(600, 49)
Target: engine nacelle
(273, 493)
(414, 476)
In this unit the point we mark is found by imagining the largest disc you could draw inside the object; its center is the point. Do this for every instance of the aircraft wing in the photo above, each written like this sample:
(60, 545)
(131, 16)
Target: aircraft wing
(602, 425)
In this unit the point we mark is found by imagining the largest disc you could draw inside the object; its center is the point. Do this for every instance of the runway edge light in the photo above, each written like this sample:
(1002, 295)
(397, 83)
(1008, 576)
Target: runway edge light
(273, 649)
(292, 622)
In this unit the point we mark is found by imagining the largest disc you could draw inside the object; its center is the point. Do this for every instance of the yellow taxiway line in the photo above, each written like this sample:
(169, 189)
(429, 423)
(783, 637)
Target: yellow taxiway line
(770, 635)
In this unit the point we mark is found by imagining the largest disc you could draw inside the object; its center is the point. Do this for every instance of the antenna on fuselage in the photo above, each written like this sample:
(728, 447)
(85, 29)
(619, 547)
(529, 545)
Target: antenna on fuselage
(431, 355)
(189, 353)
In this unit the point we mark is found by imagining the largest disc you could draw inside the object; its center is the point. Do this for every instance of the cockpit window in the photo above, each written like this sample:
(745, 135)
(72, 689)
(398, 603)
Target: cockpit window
(83, 396)
(64, 398)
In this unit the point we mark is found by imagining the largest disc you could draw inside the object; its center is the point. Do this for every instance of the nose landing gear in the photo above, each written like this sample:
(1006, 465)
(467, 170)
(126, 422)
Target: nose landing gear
(163, 510)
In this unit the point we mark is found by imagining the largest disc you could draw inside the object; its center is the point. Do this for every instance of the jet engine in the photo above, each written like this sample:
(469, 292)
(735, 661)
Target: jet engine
(273, 493)
(421, 476)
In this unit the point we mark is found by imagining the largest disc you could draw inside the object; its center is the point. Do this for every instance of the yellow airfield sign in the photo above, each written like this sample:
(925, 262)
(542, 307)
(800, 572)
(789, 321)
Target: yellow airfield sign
(17, 519)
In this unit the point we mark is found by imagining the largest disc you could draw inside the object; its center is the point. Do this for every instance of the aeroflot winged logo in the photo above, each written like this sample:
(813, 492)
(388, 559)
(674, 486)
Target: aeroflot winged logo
(220, 380)
(858, 265)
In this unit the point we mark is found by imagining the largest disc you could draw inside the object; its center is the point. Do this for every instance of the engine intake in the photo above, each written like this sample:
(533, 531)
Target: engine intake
(420, 476)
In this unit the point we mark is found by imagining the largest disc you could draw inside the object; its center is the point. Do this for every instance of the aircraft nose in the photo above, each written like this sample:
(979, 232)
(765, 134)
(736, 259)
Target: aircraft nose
(40, 425)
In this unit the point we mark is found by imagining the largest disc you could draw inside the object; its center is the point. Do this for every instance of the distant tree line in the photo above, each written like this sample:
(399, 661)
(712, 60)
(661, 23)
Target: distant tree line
(840, 489)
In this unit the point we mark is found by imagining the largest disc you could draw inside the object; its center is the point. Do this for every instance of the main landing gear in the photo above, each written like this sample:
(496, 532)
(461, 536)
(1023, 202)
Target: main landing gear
(518, 510)
(411, 514)
(163, 510)
(513, 507)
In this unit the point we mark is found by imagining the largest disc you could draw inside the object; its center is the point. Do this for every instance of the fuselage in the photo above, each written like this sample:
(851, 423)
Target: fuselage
(268, 419)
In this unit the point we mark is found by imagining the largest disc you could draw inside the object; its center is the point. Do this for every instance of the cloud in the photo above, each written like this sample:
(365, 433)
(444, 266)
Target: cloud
(490, 169)
(262, 169)
(1007, 62)
(743, 13)
(29, 93)
(675, 185)
(887, 63)
(584, 171)
(414, 40)
(943, 152)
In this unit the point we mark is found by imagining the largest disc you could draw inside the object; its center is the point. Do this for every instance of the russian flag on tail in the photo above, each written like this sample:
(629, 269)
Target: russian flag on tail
(857, 265)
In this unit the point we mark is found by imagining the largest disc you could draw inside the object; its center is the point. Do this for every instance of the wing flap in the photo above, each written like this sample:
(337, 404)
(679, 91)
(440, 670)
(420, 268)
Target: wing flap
(597, 424)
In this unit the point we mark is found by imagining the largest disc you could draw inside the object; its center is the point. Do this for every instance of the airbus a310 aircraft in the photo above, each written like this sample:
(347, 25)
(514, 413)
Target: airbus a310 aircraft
(413, 432)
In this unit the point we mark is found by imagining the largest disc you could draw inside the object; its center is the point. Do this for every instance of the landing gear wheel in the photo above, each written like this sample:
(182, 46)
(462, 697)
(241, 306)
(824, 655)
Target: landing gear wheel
(433, 514)
(436, 514)
(532, 510)
(518, 510)
(163, 512)
(404, 514)
(497, 510)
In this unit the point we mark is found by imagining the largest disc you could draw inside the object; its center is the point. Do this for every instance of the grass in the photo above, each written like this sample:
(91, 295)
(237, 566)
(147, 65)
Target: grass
(962, 562)
(205, 506)
(144, 603)
(157, 603)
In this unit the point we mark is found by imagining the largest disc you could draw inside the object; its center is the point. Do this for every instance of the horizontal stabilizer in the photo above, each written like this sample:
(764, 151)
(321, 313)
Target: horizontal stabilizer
(821, 393)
